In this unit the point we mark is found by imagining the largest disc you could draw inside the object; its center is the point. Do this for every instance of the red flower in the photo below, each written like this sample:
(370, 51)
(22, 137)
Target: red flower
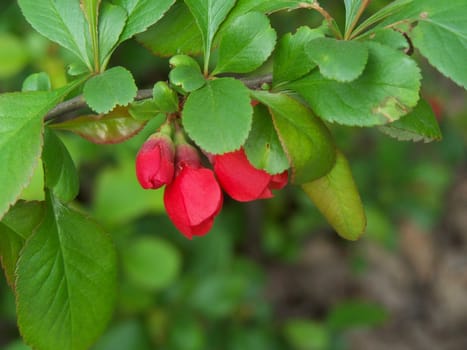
(194, 198)
(155, 161)
(242, 181)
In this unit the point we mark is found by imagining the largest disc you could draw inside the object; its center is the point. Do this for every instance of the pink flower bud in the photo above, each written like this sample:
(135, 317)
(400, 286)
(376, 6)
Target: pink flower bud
(242, 181)
(194, 198)
(155, 161)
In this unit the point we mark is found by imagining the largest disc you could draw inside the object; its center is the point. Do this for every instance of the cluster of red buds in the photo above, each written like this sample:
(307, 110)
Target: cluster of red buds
(193, 195)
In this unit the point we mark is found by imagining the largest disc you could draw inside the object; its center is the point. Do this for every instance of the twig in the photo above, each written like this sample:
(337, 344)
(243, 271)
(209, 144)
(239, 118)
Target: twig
(328, 18)
(78, 102)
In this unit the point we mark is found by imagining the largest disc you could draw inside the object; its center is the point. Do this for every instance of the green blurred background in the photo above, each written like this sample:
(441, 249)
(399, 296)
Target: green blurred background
(272, 274)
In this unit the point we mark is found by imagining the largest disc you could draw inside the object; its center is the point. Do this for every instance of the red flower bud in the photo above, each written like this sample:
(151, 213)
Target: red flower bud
(194, 198)
(242, 181)
(155, 161)
(187, 155)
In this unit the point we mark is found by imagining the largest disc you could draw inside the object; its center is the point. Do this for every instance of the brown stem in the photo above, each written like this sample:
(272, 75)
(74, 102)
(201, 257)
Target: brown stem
(331, 22)
(78, 102)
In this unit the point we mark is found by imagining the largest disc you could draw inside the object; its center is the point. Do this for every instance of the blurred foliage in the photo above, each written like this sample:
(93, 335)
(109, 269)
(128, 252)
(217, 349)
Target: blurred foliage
(209, 293)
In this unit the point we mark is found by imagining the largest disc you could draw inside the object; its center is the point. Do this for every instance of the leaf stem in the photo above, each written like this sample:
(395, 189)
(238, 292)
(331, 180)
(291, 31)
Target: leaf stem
(331, 22)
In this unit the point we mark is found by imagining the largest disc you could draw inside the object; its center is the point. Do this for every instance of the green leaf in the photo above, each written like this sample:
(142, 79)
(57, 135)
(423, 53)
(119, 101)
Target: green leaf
(290, 61)
(60, 171)
(185, 74)
(336, 196)
(165, 99)
(246, 44)
(352, 314)
(305, 139)
(179, 25)
(115, 186)
(339, 60)
(391, 38)
(37, 82)
(141, 14)
(91, 12)
(21, 127)
(218, 116)
(144, 110)
(352, 13)
(66, 281)
(441, 36)
(263, 147)
(265, 6)
(112, 20)
(114, 127)
(115, 86)
(397, 6)
(17, 225)
(209, 14)
(307, 335)
(62, 22)
(187, 78)
(387, 89)
(151, 263)
(419, 124)
(13, 55)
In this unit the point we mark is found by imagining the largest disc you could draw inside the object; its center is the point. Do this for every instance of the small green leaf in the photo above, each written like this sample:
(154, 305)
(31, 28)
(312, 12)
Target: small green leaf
(185, 74)
(112, 21)
(13, 55)
(352, 314)
(263, 147)
(21, 126)
(419, 124)
(307, 335)
(66, 281)
(151, 263)
(114, 127)
(62, 22)
(218, 116)
(387, 89)
(245, 44)
(187, 78)
(336, 196)
(391, 38)
(17, 225)
(305, 139)
(115, 86)
(142, 14)
(290, 61)
(143, 110)
(37, 82)
(339, 60)
(60, 171)
(165, 99)
(179, 25)
(209, 15)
